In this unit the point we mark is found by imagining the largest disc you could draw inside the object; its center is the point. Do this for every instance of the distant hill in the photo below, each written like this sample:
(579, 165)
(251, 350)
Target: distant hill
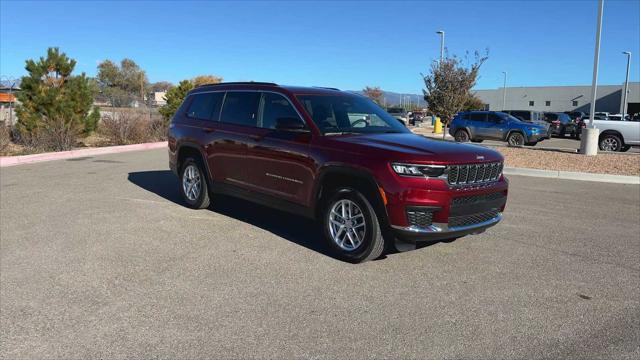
(393, 98)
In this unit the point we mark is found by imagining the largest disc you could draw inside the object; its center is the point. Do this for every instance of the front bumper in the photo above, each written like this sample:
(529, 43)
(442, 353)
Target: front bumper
(441, 231)
(426, 210)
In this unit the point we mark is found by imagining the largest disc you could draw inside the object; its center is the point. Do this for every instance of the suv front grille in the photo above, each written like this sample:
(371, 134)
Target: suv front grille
(419, 217)
(473, 174)
(465, 220)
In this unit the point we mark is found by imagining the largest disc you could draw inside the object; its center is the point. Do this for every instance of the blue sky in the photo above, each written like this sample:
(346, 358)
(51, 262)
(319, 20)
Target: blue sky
(341, 44)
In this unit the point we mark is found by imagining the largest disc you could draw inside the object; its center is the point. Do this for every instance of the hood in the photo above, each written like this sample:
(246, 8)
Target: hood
(412, 147)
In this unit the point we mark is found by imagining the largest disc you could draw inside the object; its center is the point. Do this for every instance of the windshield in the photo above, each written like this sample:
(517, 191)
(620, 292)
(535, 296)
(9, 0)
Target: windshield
(508, 116)
(349, 114)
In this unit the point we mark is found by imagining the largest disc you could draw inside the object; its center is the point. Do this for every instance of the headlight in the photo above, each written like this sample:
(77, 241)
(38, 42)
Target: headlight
(418, 170)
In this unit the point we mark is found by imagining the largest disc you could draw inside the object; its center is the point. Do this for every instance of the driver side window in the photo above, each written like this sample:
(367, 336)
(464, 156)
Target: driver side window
(272, 107)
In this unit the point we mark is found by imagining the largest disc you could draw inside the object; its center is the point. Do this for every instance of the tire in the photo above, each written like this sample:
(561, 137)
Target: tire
(363, 240)
(193, 184)
(462, 136)
(477, 141)
(515, 139)
(610, 142)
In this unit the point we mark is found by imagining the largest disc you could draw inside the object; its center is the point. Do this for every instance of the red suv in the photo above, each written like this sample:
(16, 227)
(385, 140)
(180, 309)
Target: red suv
(336, 157)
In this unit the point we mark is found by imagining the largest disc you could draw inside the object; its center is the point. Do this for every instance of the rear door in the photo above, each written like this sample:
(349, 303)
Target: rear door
(238, 118)
(477, 123)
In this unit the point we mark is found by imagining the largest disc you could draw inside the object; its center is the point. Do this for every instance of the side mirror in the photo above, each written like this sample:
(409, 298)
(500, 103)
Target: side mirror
(289, 124)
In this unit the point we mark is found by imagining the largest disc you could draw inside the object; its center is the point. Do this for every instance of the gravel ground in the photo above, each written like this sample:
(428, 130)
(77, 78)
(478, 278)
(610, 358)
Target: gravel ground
(547, 159)
(557, 160)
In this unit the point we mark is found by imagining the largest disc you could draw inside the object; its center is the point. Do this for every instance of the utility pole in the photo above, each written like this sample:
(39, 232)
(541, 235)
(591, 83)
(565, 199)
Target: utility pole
(504, 92)
(626, 85)
(589, 143)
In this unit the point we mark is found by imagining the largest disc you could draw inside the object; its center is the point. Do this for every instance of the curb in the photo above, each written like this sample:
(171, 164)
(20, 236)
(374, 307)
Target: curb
(6, 161)
(571, 175)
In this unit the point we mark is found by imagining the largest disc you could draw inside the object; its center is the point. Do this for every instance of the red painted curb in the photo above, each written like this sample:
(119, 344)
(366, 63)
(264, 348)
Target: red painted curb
(36, 158)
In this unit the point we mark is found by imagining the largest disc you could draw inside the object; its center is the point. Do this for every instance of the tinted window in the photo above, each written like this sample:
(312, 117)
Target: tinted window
(241, 108)
(494, 117)
(205, 106)
(275, 106)
(478, 116)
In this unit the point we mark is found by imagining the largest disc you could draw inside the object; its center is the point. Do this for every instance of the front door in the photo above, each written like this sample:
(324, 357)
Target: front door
(280, 161)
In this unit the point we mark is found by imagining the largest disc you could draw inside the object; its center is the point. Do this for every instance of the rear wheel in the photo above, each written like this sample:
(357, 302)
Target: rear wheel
(351, 226)
(610, 142)
(516, 139)
(193, 184)
(462, 136)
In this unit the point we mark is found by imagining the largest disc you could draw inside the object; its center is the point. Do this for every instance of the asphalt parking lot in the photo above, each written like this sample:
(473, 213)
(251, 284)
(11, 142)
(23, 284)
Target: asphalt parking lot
(99, 259)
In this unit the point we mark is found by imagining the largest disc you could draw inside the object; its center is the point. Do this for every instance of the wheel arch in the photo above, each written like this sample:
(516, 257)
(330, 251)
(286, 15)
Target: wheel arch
(191, 149)
(611, 132)
(520, 131)
(336, 176)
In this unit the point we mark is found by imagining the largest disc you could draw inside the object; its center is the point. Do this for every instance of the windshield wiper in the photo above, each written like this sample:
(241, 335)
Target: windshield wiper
(341, 132)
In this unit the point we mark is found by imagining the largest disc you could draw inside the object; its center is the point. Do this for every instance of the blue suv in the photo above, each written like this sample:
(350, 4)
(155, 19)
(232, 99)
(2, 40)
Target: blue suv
(477, 126)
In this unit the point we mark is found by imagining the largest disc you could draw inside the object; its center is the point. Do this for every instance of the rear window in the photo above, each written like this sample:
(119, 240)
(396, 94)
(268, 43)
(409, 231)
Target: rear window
(205, 106)
(478, 116)
(240, 108)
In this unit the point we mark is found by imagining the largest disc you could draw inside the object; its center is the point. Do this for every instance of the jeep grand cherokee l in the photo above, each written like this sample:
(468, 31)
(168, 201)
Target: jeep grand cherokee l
(336, 157)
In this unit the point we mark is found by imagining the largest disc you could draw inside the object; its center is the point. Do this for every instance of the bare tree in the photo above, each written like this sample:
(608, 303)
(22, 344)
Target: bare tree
(374, 93)
(448, 85)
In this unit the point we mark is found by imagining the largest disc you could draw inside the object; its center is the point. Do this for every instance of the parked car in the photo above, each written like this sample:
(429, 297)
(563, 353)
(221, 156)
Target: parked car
(416, 117)
(616, 135)
(477, 126)
(336, 157)
(535, 117)
(400, 114)
(562, 124)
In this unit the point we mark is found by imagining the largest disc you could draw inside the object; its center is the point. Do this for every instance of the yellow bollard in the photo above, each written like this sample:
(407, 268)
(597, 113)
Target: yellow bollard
(437, 128)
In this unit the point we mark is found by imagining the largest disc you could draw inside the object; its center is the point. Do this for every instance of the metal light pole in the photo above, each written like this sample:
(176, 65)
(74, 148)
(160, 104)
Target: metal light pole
(441, 32)
(589, 143)
(626, 85)
(504, 92)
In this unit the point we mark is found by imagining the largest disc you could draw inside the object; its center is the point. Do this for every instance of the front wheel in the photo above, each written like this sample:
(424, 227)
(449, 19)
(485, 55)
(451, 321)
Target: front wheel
(461, 136)
(351, 226)
(515, 139)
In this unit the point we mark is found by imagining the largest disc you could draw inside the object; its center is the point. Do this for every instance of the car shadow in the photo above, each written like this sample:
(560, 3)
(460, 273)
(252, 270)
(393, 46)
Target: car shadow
(297, 229)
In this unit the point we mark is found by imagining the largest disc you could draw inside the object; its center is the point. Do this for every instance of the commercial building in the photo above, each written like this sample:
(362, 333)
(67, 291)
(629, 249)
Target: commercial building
(562, 98)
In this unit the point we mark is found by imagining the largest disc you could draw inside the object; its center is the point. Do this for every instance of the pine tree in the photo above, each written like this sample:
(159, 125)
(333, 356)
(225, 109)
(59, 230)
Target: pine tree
(174, 98)
(55, 107)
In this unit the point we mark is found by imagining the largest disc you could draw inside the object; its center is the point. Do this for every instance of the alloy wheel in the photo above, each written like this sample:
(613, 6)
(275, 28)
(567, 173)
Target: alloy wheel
(462, 136)
(347, 225)
(191, 182)
(516, 140)
(609, 144)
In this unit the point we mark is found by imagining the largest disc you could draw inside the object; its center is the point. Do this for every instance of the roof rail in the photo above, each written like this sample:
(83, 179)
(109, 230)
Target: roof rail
(240, 83)
(326, 87)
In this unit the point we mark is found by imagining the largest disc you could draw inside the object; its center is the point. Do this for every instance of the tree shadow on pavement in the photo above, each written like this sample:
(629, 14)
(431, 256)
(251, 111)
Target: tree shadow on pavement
(297, 229)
